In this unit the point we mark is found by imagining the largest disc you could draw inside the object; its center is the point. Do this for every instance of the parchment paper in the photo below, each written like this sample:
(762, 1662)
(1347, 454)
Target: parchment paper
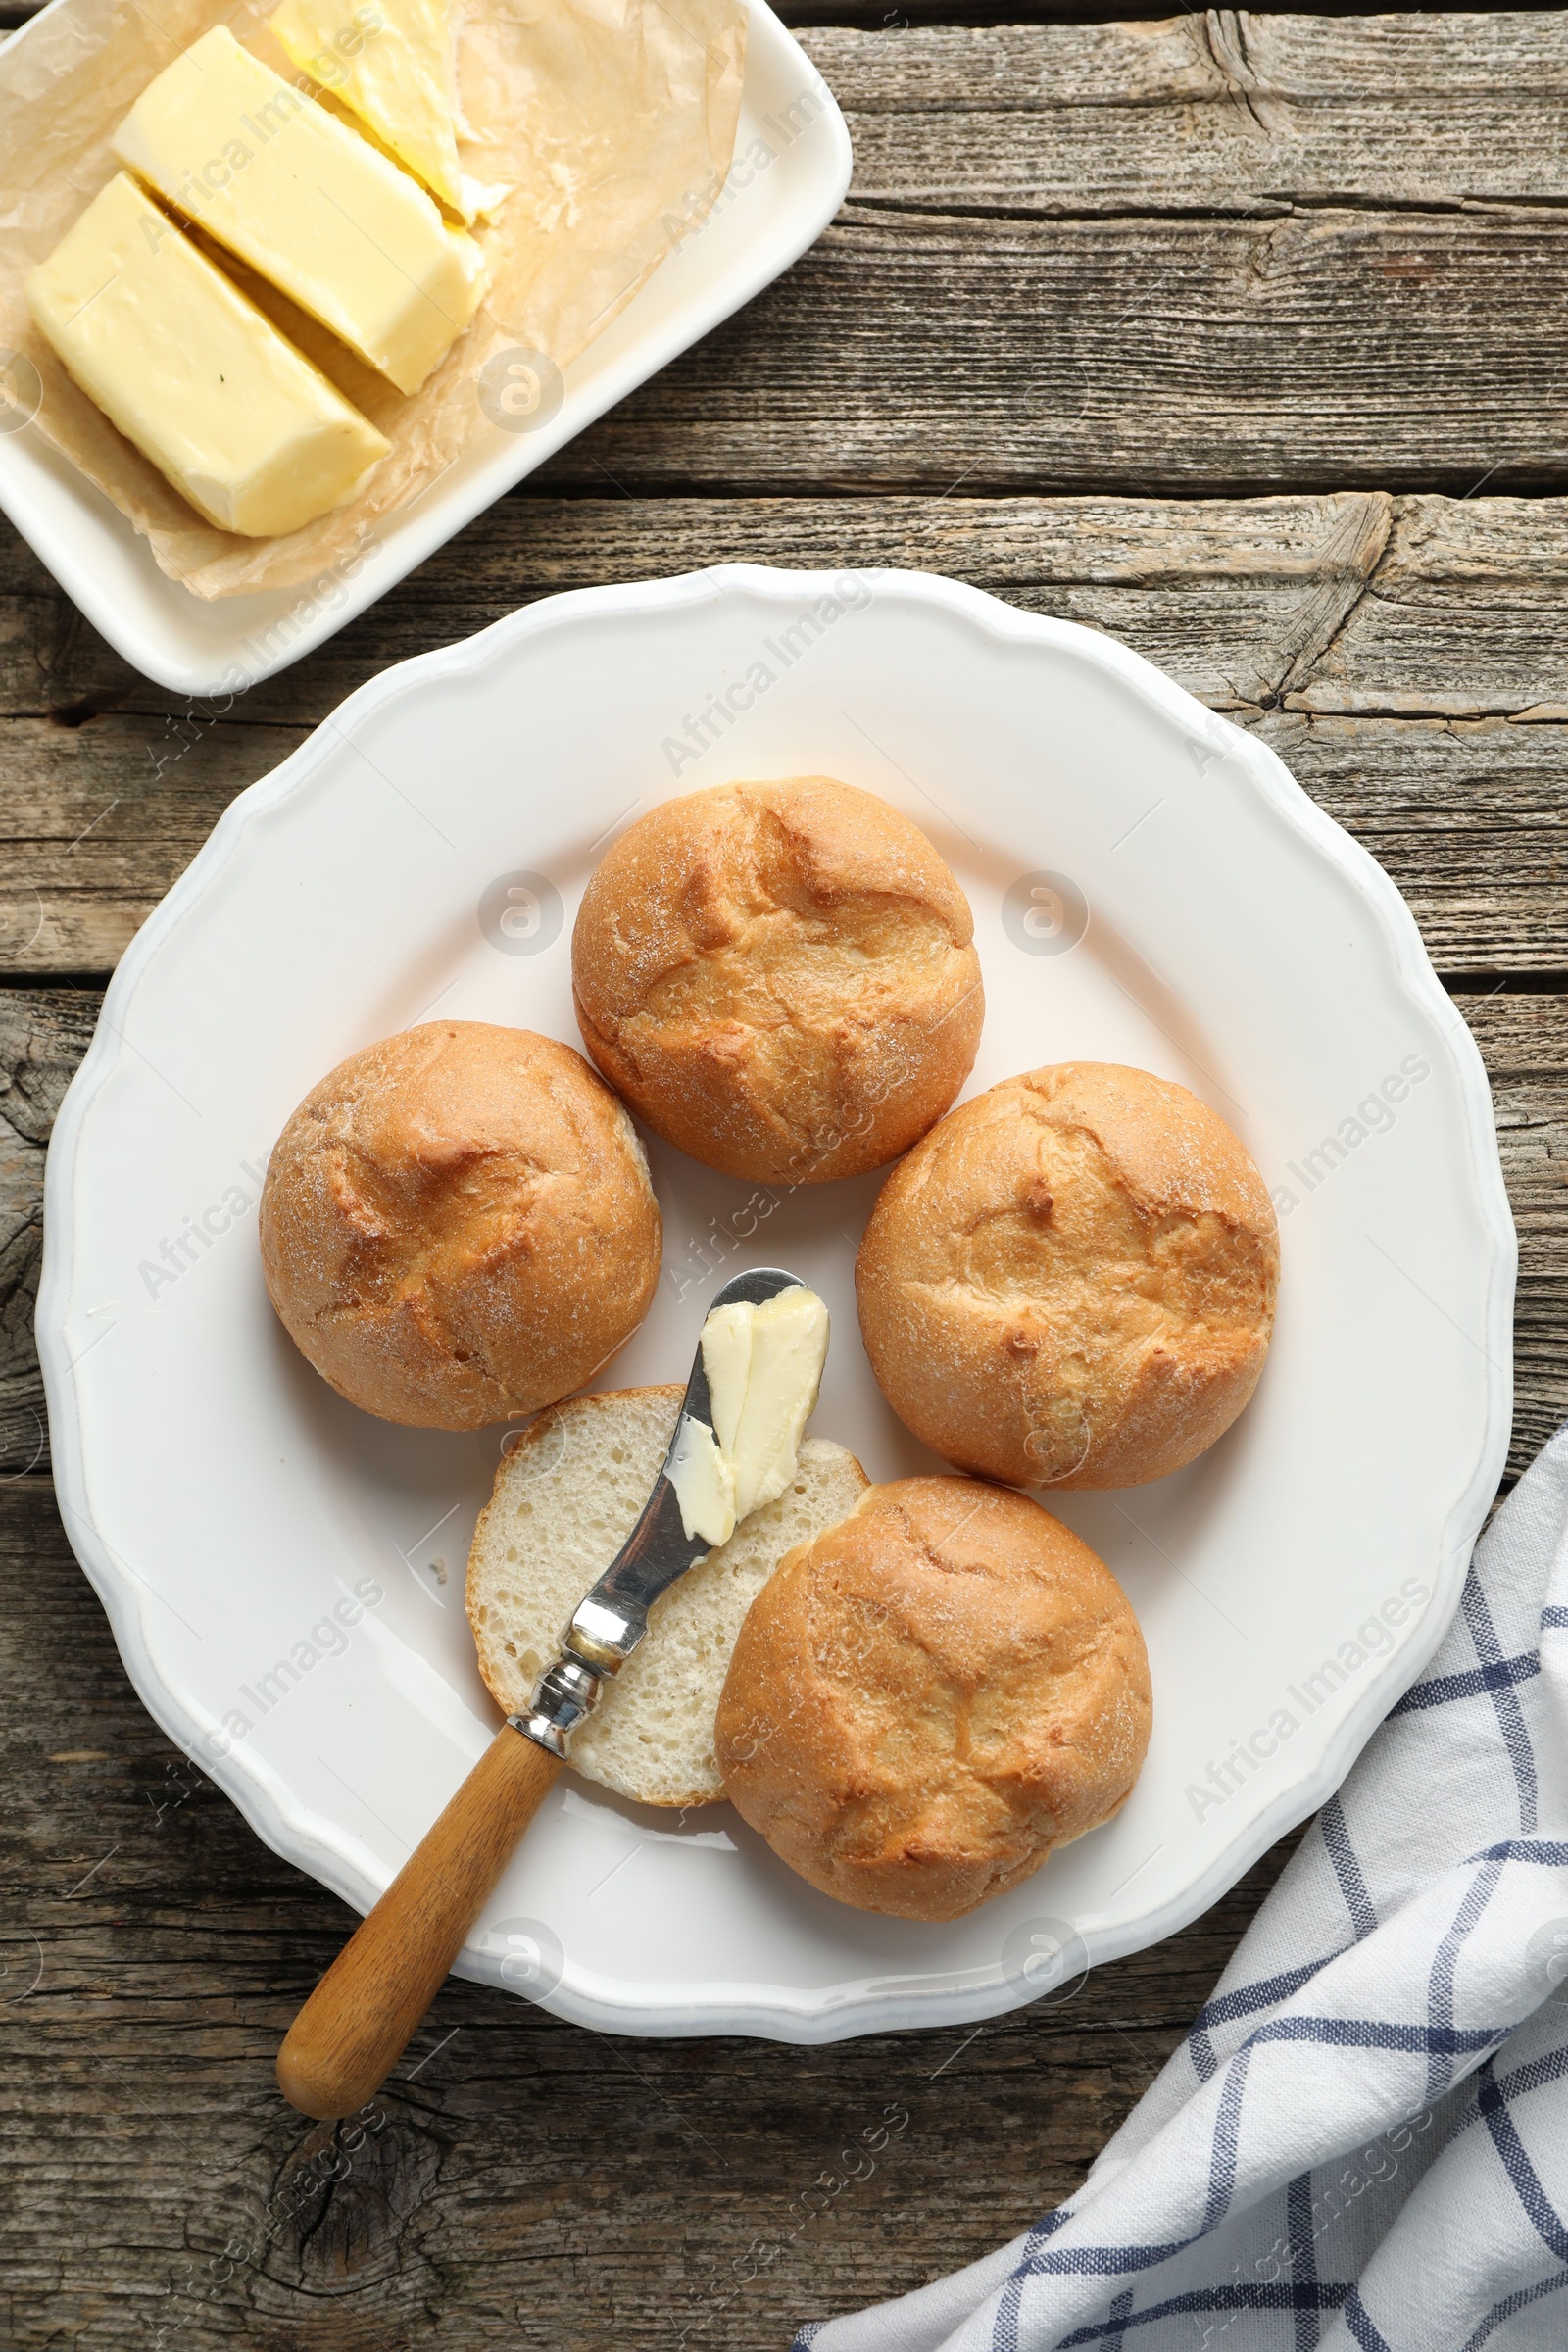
(611, 121)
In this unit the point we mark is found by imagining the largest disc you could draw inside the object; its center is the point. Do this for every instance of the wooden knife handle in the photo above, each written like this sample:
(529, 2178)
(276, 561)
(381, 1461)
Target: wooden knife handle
(359, 2021)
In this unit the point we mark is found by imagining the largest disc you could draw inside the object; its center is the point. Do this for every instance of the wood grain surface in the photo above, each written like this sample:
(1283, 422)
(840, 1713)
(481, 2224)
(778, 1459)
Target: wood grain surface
(1236, 336)
(1218, 251)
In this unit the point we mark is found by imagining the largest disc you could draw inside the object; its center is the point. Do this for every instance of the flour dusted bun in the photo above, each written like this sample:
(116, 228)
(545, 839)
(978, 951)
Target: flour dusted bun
(564, 1501)
(1071, 1280)
(780, 979)
(458, 1225)
(931, 1697)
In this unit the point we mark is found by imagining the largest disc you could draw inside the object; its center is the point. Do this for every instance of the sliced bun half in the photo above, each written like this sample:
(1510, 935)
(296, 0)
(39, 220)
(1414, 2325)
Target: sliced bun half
(564, 1501)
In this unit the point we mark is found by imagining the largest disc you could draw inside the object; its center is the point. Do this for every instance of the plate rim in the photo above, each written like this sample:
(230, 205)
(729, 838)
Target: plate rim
(143, 640)
(873, 2004)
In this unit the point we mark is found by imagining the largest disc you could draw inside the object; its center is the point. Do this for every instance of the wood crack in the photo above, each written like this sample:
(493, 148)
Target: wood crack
(1224, 33)
(1350, 557)
(1262, 204)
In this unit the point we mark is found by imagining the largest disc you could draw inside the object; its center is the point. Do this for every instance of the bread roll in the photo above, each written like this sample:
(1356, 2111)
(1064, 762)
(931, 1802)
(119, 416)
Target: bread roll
(458, 1225)
(564, 1501)
(1070, 1281)
(932, 1695)
(780, 979)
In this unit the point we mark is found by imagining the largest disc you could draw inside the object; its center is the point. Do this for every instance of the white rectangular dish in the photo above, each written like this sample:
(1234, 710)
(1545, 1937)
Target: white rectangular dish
(792, 167)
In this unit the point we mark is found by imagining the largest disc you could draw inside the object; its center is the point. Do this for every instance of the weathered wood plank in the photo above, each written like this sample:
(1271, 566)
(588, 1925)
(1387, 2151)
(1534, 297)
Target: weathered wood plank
(1524, 1042)
(1469, 817)
(1238, 570)
(1099, 255)
(1336, 607)
(1464, 612)
(1213, 253)
(1178, 355)
(93, 835)
(1489, 572)
(532, 2184)
(1218, 111)
(43, 1035)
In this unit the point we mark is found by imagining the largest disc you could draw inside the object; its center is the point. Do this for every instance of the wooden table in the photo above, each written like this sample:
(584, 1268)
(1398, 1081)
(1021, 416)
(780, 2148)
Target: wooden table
(1242, 336)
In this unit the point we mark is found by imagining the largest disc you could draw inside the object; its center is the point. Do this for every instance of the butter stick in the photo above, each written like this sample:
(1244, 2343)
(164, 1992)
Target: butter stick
(315, 209)
(393, 63)
(225, 407)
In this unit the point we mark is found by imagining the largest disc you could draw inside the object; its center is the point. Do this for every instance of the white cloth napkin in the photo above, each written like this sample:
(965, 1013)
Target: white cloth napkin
(1363, 2141)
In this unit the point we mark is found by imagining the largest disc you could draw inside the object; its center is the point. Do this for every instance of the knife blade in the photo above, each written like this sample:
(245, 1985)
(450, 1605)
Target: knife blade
(612, 1619)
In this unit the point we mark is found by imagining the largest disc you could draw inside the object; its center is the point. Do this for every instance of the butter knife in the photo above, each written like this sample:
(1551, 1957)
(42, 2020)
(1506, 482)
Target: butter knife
(363, 2014)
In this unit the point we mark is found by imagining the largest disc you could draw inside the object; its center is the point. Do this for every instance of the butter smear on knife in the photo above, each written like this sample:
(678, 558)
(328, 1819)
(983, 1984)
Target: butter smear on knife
(764, 1367)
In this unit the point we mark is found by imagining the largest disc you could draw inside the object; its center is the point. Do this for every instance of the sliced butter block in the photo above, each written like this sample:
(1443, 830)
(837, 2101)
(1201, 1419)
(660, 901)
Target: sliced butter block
(190, 371)
(313, 208)
(394, 63)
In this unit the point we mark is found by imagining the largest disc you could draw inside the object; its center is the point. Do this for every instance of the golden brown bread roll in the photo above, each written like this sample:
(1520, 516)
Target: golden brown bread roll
(780, 979)
(926, 1700)
(458, 1225)
(1071, 1280)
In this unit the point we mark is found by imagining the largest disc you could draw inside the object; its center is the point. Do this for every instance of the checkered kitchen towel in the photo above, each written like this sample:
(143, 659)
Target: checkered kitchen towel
(1363, 2141)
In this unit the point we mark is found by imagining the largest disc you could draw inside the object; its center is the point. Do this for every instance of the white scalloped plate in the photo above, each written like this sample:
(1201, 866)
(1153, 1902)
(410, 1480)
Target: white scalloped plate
(222, 1501)
(792, 167)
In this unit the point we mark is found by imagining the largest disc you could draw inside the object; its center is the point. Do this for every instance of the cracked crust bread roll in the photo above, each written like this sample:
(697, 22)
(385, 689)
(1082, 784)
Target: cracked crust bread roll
(1070, 1281)
(565, 1499)
(780, 979)
(928, 1699)
(458, 1225)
